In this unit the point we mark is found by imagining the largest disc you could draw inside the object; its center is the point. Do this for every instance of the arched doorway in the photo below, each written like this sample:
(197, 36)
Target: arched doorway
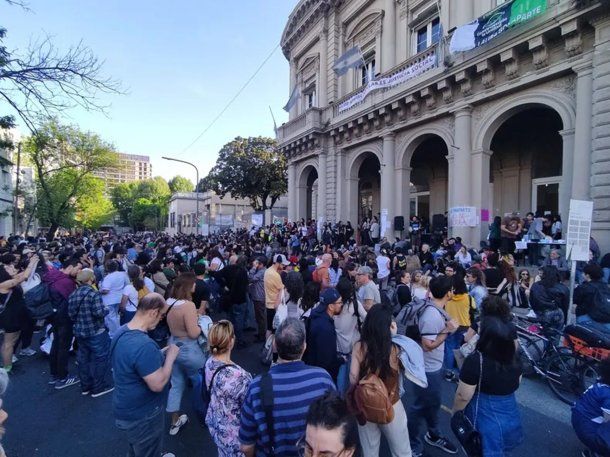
(429, 178)
(369, 187)
(527, 160)
(308, 193)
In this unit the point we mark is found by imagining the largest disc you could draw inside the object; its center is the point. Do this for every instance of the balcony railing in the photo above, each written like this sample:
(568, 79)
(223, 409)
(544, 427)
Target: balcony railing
(397, 76)
(309, 120)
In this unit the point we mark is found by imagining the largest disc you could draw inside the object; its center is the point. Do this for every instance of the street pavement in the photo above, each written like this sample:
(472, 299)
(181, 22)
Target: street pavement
(44, 422)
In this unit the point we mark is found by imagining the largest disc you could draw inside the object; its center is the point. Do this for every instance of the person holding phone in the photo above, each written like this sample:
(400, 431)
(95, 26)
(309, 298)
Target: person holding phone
(591, 415)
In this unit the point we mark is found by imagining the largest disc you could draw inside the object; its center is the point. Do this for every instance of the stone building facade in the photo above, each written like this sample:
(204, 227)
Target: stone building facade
(520, 123)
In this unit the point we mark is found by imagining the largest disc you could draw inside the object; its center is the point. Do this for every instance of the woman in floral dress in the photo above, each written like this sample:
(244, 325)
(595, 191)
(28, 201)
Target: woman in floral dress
(228, 390)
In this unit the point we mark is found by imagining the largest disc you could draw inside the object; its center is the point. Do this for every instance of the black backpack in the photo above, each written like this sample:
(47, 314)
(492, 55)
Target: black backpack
(600, 311)
(408, 319)
(38, 302)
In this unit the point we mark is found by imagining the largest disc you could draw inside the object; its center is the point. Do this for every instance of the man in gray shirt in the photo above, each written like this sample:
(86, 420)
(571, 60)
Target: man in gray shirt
(434, 326)
(368, 292)
(256, 278)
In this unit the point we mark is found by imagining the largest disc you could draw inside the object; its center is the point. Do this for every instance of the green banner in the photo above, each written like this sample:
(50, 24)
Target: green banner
(525, 10)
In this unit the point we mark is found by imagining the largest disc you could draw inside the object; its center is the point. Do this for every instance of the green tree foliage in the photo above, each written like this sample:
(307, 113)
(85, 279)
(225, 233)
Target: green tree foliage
(64, 160)
(94, 208)
(180, 184)
(142, 205)
(251, 168)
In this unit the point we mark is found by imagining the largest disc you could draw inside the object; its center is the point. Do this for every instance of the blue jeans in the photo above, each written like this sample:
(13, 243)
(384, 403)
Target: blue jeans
(453, 341)
(424, 409)
(343, 376)
(586, 321)
(190, 359)
(237, 316)
(94, 362)
(606, 274)
(145, 436)
(594, 436)
(498, 421)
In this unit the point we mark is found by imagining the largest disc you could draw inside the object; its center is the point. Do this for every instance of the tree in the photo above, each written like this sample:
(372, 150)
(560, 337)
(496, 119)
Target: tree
(94, 209)
(144, 204)
(180, 184)
(64, 160)
(251, 168)
(44, 81)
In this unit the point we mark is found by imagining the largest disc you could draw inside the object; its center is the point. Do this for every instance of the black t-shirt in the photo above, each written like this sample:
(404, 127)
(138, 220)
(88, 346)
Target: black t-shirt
(493, 277)
(202, 293)
(496, 380)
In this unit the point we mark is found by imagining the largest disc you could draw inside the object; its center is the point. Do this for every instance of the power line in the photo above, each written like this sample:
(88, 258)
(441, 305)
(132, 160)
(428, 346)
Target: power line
(260, 67)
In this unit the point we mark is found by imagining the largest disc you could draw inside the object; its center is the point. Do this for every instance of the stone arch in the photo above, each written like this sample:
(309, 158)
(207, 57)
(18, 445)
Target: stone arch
(560, 103)
(372, 19)
(304, 169)
(407, 146)
(359, 154)
(305, 190)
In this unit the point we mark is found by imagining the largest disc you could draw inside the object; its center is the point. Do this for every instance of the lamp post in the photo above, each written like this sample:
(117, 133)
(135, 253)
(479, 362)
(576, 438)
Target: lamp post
(196, 184)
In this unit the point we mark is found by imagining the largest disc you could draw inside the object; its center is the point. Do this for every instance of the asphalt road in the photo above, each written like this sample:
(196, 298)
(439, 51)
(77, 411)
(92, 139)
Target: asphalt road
(44, 422)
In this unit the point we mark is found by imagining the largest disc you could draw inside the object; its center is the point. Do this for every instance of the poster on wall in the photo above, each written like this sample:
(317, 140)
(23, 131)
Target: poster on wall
(463, 216)
(579, 230)
(384, 222)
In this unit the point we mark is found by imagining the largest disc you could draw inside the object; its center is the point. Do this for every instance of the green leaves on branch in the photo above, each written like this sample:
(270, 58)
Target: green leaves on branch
(142, 205)
(180, 184)
(251, 168)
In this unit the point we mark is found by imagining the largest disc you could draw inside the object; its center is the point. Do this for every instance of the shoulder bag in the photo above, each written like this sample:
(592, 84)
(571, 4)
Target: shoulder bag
(466, 431)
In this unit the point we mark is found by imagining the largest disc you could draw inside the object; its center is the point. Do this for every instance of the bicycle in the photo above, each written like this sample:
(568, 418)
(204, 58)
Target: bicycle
(567, 372)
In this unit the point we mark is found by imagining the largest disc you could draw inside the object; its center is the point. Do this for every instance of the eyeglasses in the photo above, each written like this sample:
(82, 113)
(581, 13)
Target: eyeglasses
(525, 274)
(305, 450)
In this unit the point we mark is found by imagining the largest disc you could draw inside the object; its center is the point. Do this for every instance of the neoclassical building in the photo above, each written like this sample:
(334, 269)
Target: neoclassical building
(517, 124)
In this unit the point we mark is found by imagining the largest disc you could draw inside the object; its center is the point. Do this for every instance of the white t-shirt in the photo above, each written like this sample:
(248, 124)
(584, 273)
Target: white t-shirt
(346, 325)
(114, 283)
(383, 267)
(149, 284)
(132, 298)
(374, 230)
(419, 292)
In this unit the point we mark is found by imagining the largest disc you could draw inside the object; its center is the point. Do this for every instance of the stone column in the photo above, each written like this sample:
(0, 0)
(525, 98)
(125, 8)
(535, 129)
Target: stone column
(292, 192)
(388, 179)
(581, 171)
(403, 193)
(323, 89)
(462, 166)
(481, 161)
(322, 187)
(293, 82)
(568, 165)
(301, 198)
(388, 35)
(340, 196)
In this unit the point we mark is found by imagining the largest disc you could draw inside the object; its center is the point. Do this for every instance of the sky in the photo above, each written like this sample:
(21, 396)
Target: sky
(179, 62)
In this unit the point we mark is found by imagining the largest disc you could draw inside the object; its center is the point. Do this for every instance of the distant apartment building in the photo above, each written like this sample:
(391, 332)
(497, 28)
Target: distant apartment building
(131, 168)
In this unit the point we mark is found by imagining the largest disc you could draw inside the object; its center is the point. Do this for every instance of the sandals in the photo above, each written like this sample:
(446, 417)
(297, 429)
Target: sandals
(175, 428)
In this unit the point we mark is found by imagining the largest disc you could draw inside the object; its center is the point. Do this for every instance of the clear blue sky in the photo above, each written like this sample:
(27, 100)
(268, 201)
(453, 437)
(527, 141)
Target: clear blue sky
(180, 63)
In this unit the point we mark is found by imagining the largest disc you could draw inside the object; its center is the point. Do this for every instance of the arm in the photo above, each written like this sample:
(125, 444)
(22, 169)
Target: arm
(248, 449)
(354, 369)
(98, 309)
(190, 320)
(6, 286)
(463, 395)
(157, 380)
(124, 300)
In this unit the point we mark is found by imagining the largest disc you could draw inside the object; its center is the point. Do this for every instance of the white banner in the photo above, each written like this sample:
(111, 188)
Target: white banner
(257, 219)
(579, 230)
(384, 222)
(412, 71)
(463, 216)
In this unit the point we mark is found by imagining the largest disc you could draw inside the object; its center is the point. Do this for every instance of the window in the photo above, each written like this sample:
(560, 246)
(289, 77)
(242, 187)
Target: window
(309, 95)
(367, 71)
(172, 220)
(428, 35)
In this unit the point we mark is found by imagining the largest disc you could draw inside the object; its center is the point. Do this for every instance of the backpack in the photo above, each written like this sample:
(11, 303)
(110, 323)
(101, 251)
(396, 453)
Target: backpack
(408, 319)
(316, 276)
(600, 311)
(38, 302)
(369, 401)
(401, 263)
(143, 292)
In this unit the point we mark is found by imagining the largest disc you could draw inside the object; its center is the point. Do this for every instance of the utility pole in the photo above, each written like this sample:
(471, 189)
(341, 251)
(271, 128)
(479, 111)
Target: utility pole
(196, 186)
(16, 200)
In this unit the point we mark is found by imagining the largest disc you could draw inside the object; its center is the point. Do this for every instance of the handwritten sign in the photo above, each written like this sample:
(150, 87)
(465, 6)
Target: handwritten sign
(463, 216)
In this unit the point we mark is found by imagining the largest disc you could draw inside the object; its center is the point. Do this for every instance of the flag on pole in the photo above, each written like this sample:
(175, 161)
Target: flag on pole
(352, 58)
(294, 98)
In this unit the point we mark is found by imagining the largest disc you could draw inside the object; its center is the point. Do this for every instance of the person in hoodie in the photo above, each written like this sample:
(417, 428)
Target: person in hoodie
(61, 284)
(321, 334)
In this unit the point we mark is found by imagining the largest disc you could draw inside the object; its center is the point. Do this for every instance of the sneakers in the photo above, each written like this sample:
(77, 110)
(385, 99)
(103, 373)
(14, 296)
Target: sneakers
(27, 352)
(169, 454)
(53, 380)
(175, 428)
(14, 359)
(440, 443)
(67, 382)
(104, 391)
(84, 393)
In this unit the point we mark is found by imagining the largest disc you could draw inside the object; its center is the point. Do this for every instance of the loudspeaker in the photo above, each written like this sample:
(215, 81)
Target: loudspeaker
(399, 223)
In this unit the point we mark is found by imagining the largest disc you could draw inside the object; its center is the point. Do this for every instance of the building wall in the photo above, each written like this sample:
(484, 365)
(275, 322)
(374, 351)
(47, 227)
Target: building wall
(557, 61)
(131, 168)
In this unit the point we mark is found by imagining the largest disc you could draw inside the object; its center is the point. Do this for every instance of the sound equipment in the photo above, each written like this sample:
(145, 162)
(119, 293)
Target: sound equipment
(399, 223)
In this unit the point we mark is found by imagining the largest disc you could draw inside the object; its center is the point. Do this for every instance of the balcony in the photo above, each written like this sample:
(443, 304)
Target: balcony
(402, 76)
(309, 121)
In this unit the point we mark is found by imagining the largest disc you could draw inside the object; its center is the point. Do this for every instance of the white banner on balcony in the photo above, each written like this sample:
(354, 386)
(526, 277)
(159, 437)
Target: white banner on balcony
(401, 77)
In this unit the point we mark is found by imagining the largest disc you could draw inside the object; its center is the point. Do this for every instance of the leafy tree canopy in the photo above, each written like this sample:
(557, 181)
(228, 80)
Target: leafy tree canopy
(251, 168)
(180, 184)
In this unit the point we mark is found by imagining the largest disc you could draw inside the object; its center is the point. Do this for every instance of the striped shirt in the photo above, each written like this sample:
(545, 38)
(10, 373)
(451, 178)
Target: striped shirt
(295, 387)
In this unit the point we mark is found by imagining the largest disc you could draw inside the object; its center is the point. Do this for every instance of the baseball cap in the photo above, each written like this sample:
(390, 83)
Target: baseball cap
(28, 251)
(281, 258)
(364, 270)
(329, 296)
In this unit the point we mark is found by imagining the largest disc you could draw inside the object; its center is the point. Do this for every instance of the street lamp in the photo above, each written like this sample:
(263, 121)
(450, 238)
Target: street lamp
(196, 185)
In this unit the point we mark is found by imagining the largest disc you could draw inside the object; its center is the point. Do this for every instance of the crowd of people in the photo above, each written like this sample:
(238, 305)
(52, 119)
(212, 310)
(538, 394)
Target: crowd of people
(350, 322)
